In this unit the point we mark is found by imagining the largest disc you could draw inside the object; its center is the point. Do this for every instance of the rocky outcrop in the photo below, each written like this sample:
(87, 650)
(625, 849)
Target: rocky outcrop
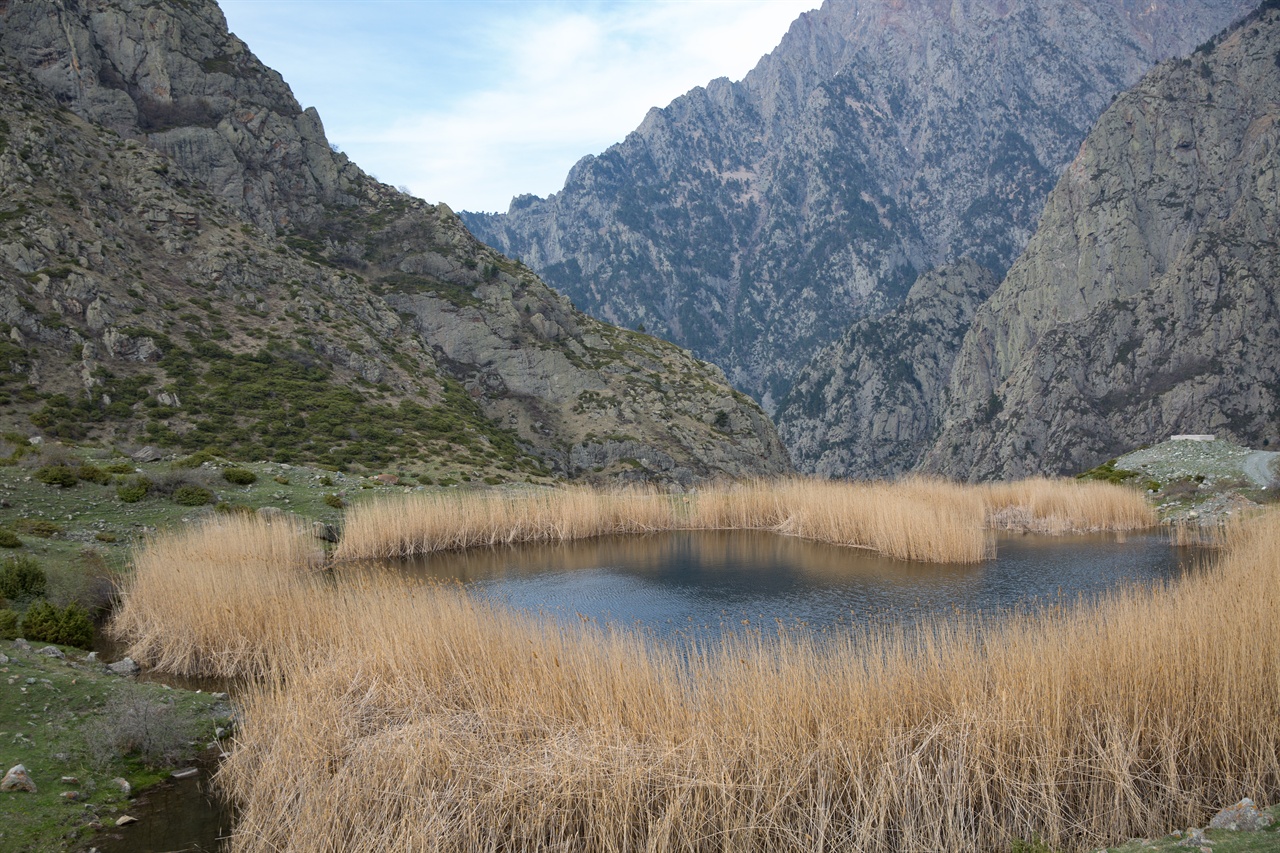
(1145, 305)
(753, 222)
(867, 405)
(172, 75)
(185, 262)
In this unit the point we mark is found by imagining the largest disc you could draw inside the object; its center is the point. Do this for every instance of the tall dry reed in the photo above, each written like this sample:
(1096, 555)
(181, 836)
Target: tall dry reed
(424, 720)
(914, 519)
(409, 717)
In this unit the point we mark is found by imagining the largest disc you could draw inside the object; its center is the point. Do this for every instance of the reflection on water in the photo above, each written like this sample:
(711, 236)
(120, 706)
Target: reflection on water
(671, 582)
(174, 817)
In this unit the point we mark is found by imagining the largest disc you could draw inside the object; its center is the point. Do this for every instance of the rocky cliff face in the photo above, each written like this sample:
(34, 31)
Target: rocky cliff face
(184, 260)
(867, 405)
(754, 221)
(1146, 302)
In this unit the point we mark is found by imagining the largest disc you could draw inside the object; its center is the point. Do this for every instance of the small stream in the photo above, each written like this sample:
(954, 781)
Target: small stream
(673, 586)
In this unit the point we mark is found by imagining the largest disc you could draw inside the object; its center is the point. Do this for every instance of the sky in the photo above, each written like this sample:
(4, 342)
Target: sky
(472, 102)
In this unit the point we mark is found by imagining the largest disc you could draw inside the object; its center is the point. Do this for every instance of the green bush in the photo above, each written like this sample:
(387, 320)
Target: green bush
(239, 476)
(75, 628)
(119, 468)
(91, 473)
(195, 460)
(134, 490)
(46, 623)
(334, 501)
(192, 496)
(57, 475)
(8, 624)
(9, 539)
(40, 623)
(22, 577)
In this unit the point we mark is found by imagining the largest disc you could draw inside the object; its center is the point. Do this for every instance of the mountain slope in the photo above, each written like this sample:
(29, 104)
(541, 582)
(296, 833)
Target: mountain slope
(184, 260)
(866, 406)
(754, 221)
(1146, 302)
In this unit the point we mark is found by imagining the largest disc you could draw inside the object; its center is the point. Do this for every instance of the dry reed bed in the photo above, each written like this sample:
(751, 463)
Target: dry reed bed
(409, 717)
(916, 519)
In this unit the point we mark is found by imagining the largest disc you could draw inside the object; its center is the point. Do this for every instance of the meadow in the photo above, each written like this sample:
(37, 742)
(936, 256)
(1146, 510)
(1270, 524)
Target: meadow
(382, 713)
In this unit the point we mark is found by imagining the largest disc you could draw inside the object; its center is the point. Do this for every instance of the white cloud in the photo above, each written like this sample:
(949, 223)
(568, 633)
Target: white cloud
(522, 89)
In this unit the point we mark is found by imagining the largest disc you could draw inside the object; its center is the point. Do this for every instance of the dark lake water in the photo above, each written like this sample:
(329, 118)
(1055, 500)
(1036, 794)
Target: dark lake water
(704, 582)
(676, 584)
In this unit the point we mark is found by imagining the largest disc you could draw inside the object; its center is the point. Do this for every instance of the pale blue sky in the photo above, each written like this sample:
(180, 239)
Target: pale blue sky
(471, 102)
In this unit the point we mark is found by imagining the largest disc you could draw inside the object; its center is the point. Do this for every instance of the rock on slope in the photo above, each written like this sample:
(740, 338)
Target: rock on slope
(754, 221)
(1146, 302)
(184, 259)
(867, 405)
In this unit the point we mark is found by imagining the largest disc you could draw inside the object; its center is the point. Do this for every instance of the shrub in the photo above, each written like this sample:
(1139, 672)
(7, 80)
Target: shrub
(40, 624)
(91, 473)
(119, 468)
(192, 496)
(75, 628)
(37, 527)
(57, 475)
(8, 624)
(22, 577)
(195, 460)
(334, 501)
(326, 480)
(240, 476)
(134, 490)
(234, 509)
(131, 724)
(9, 539)
(70, 626)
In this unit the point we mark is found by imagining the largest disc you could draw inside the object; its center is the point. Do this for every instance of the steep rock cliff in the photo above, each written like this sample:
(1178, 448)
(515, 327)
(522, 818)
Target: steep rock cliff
(866, 406)
(754, 221)
(1146, 302)
(184, 260)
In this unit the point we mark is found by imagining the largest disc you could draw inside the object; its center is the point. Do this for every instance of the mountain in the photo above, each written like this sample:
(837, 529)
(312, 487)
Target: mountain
(1146, 302)
(867, 405)
(753, 222)
(186, 261)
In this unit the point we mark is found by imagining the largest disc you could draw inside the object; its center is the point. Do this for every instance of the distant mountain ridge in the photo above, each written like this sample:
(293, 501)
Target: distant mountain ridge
(185, 261)
(753, 222)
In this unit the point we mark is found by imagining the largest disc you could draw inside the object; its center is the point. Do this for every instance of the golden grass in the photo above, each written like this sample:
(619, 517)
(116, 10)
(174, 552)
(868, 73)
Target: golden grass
(915, 519)
(409, 717)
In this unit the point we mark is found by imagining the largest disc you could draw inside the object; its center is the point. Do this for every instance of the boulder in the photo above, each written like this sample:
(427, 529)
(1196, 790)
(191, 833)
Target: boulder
(1244, 816)
(51, 651)
(147, 454)
(125, 667)
(123, 785)
(324, 532)
(17, 779)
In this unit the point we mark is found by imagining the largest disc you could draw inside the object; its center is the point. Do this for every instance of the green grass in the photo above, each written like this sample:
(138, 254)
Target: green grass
(1222, 841)
(60, 718)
